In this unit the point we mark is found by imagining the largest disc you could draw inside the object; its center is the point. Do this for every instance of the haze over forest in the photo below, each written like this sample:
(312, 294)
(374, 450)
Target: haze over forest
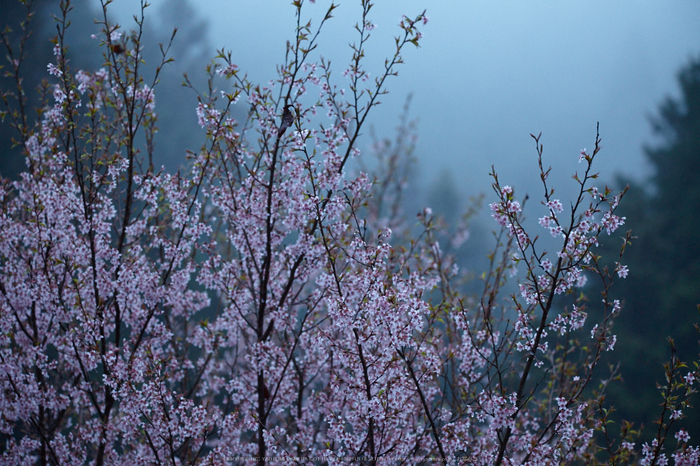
(488, 74)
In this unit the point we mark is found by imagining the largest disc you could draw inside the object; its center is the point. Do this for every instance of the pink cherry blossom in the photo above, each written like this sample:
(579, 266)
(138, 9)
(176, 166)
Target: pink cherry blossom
(272, 304)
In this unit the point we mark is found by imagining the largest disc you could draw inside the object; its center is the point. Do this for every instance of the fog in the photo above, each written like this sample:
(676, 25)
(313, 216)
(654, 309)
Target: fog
(489, 73)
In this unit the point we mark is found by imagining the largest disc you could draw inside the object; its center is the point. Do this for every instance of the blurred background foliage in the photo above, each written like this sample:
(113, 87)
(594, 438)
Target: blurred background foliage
(662, 292)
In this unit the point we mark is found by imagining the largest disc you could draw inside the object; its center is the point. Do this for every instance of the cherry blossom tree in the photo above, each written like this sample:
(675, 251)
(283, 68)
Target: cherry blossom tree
(259, 307)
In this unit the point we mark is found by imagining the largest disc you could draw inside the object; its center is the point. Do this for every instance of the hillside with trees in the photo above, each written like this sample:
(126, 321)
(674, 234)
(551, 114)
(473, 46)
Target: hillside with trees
(662, 292)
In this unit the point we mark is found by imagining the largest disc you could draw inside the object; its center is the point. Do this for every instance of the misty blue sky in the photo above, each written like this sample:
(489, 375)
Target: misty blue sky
(490, 72)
